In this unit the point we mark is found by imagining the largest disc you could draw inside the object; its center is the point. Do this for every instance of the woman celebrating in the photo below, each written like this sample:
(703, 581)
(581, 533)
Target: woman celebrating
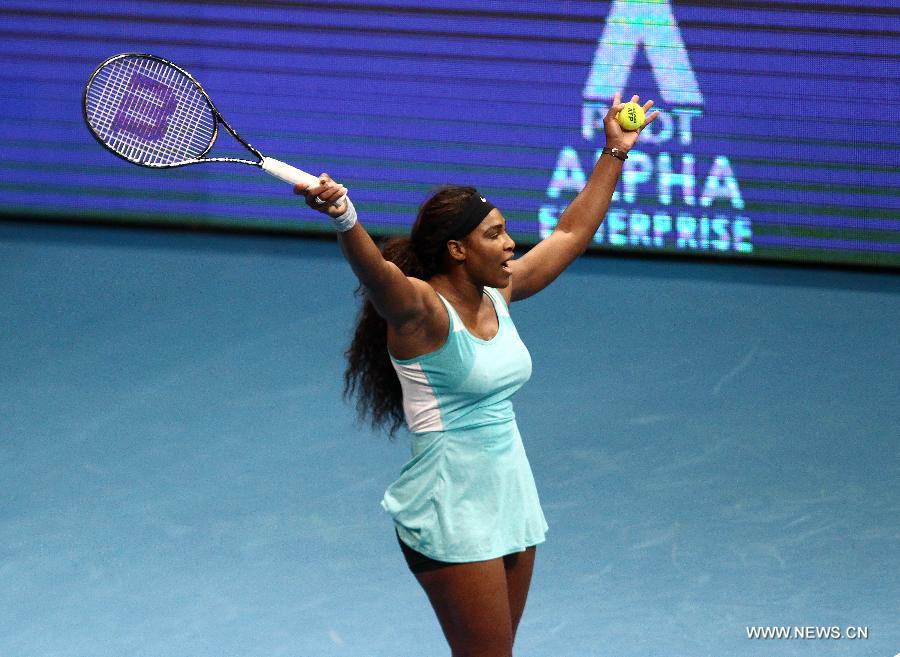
(436, 348)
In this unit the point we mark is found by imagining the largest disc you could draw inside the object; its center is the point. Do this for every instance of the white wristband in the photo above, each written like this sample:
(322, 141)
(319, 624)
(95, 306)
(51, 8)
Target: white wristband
(345, 221)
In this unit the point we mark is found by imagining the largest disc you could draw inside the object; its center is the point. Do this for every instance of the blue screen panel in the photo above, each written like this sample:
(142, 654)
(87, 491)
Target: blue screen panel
(776, 139)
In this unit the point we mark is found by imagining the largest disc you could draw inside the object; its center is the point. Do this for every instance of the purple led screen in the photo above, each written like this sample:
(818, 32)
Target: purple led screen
(777, 138)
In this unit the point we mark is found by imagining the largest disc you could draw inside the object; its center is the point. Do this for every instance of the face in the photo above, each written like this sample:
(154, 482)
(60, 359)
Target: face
(488, 249)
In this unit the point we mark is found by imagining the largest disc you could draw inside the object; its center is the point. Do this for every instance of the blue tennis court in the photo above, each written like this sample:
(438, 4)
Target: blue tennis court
(715, 446)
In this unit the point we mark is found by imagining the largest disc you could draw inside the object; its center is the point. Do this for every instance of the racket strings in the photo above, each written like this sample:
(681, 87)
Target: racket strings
(149, 112)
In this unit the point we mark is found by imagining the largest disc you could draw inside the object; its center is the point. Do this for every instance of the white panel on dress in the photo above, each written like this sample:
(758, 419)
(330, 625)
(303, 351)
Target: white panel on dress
(420, 404)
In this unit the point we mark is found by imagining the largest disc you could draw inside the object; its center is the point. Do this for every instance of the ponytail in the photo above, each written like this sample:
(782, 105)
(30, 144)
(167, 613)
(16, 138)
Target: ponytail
(399, 250)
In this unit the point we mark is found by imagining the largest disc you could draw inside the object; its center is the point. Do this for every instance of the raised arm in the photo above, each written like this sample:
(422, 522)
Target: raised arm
(576, 227)
(397, 298)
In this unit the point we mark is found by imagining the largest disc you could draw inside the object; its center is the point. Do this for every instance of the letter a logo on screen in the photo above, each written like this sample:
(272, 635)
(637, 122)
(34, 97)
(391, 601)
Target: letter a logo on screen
(630, 25)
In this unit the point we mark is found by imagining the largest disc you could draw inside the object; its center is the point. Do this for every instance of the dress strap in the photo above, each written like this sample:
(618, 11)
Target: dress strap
(455, 321)
(498, 300)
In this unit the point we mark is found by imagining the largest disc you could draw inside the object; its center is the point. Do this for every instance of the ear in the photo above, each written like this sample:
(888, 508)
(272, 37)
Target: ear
(457, 250)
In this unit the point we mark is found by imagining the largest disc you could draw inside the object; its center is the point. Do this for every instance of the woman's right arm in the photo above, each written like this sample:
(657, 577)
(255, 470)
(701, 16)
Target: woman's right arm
(396, 297)
(400, 300)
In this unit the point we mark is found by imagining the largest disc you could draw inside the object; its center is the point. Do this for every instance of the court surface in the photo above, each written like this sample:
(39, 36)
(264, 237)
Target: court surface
(715, 446)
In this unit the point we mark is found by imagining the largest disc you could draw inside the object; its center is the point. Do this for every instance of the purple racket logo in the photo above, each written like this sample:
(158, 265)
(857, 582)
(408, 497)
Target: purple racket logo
(145, 109)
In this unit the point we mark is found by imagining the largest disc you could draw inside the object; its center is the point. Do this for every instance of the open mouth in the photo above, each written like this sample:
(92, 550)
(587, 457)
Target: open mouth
(505, 267)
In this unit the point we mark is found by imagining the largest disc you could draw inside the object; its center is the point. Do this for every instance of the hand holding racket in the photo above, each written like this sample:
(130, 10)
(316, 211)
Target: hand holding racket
(153, 113)
(325, 196)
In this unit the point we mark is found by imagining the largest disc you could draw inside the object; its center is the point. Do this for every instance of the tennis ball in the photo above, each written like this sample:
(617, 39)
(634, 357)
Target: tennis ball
(631, 117)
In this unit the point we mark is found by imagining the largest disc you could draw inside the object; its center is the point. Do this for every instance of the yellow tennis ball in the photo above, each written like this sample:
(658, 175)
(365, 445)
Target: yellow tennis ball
(631, 117)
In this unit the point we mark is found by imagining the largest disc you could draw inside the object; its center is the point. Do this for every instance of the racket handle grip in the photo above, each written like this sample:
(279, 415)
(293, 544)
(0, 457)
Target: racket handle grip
(287, 173)
(291, 175)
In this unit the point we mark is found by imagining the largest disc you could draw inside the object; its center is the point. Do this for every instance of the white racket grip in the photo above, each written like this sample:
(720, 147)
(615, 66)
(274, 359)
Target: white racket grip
(287, 173)
(292, 175)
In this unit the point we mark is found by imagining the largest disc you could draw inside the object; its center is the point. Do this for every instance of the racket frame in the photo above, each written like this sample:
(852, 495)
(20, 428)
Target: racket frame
(217, 118)
(270, 165)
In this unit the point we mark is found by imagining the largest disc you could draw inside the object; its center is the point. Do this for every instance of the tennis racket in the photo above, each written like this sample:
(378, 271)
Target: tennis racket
(153, 113)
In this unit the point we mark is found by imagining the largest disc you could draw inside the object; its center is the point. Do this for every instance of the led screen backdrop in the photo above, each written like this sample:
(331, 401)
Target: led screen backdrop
(778, 137)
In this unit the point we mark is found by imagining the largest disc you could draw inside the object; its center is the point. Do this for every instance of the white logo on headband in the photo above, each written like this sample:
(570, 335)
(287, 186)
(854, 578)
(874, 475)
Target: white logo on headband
(483, 199)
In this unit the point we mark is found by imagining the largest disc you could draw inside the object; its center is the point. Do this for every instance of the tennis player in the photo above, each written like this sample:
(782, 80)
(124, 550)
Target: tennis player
(435, 347)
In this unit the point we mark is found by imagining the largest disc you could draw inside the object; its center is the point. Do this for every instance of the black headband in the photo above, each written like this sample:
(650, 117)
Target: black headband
(474, 212)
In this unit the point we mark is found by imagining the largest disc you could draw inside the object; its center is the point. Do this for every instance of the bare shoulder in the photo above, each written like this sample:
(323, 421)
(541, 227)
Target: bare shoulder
(401, 300)
(423, 333)
(428, 294)
(429, 307)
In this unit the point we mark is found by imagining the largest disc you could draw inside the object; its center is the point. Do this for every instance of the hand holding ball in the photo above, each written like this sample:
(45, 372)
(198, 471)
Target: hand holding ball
(631, 117)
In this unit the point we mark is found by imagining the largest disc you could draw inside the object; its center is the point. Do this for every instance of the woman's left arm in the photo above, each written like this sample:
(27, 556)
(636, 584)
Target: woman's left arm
(576, 227)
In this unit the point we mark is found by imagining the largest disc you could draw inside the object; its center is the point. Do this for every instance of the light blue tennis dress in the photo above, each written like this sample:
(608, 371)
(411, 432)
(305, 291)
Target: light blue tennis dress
(468, 493)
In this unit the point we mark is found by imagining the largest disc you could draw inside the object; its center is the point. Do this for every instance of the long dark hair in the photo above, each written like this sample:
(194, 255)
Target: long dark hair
(369, 374)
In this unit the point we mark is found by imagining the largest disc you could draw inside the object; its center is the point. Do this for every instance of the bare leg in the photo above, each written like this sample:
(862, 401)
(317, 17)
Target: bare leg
(472, 605)
(519, 567)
